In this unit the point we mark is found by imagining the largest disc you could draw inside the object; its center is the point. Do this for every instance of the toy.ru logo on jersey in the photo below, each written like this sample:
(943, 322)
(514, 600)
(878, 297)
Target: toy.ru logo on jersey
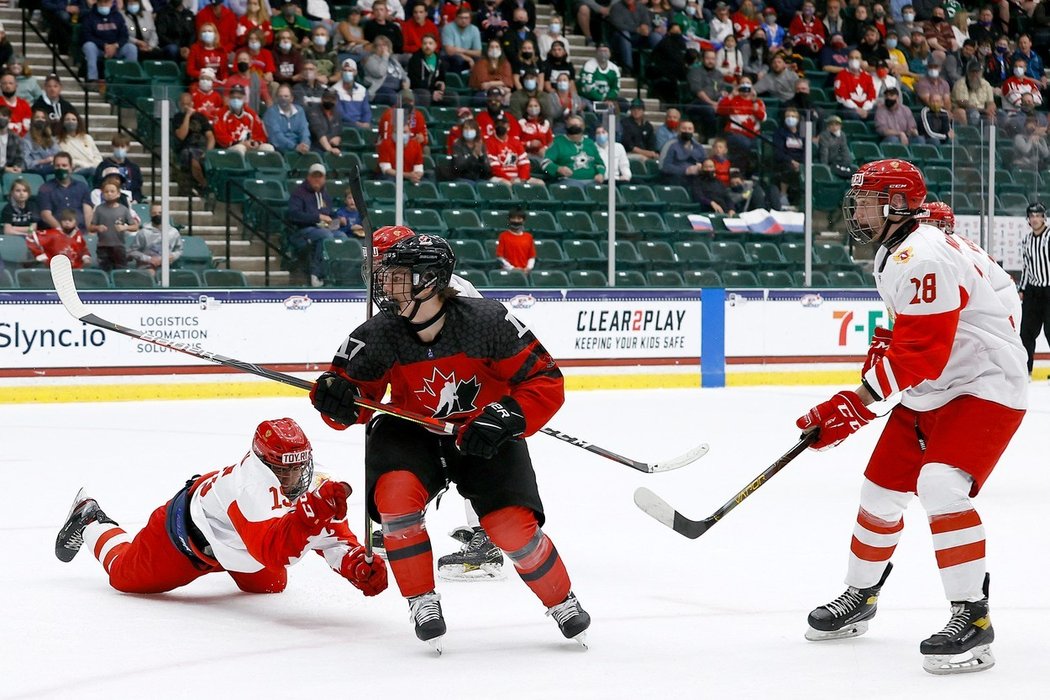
(849, 328)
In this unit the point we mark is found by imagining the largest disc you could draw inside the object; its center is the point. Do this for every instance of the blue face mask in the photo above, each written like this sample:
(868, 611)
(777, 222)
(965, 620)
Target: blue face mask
(236, 103)
(601, 139)
(104, 11)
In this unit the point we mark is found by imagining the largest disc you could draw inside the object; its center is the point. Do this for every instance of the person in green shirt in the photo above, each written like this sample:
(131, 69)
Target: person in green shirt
(573, 158)
(290, 18)
(600, 79)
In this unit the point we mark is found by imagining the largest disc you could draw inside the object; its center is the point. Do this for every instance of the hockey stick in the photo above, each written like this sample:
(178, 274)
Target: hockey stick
(62, 276)
(662, 510)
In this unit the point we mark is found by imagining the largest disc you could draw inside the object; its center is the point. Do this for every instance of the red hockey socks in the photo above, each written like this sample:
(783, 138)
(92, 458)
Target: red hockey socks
(106, 541)
(401, 499)
(514, 530)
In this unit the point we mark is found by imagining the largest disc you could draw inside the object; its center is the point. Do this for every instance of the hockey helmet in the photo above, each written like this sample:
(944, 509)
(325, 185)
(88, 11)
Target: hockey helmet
(429, 262)
(386, 236)
(882, 192)
(283, 447)
(1036, 208)
(940, 214)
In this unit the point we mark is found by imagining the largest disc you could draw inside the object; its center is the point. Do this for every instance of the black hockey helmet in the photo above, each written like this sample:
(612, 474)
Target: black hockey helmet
(430, 261)
(1035, 208)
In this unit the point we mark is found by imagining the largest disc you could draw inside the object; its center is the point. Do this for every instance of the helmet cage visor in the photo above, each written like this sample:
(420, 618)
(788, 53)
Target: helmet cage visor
(295, 477)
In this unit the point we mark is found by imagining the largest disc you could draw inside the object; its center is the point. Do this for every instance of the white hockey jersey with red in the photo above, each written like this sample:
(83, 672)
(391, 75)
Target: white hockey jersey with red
(250, 525)
(955, 324)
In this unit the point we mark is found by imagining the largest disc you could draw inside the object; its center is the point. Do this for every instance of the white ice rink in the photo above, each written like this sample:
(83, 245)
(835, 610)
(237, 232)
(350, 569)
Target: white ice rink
(719, 617)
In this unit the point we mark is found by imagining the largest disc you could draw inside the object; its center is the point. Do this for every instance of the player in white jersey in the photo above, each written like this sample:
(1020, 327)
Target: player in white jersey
(956, 361)
(252, 519)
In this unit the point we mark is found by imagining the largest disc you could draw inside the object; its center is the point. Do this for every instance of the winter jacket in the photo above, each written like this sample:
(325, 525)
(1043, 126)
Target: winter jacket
(306, 206)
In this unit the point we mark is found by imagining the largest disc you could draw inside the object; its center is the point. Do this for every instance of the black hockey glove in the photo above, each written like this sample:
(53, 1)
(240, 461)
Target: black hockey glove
(485, 433)
(333, 396)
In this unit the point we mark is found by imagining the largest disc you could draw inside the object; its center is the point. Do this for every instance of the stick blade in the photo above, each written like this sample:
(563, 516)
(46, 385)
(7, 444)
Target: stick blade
(682, 460)
(62, 277)
(661, 510)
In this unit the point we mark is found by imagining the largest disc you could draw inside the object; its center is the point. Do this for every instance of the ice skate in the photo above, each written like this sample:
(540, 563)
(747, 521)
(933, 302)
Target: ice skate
(70, 538)
(848, 615)
(969, 634)
(572, 619)
(477, 560)
(430, 623)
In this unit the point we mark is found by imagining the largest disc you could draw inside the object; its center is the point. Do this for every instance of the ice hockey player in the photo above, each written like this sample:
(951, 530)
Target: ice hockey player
(461, 359)
(956, 360)
(477, 559)
(252, 519)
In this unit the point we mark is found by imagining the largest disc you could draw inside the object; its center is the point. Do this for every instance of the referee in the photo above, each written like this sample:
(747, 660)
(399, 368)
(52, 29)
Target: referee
(1035, 281)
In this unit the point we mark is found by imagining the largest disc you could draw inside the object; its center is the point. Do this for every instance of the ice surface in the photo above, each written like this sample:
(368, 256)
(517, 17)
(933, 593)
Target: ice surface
(722, 616)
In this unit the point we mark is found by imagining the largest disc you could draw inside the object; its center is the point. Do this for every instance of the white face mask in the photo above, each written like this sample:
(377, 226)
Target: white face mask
(207, 37)
(254, 45)
(205, 85)
(555, 28)
(321, 41)
(934, 72)
(286, 46)
(891, 43)
(1019, 72)
(529, 85)
(470, 135)
(563, 86)
(909, 16)
(791, 122)
(495, 53)
(854, 64)
(534, 111)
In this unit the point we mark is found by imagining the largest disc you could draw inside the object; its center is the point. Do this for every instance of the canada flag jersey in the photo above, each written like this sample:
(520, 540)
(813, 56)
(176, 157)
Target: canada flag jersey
(955, 331)
(232, 129)
(855, 91)
(481, 355)
(507, 158)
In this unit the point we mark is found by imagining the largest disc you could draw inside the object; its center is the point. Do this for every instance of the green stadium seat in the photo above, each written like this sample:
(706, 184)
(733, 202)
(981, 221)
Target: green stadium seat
(471, 253)
(195, 254)
(578, 224)
(343, 258)
(225, 278)
(183, 279)
(423, 194)
(639, 198)
(626, 255)
(495, 194)
(702, 278)
(131, 279)
(967, 135)
(550, 256)
(425, 221)
(896, 150)
(675, 198)
(34, 181)
(7, 281)
(569, 197)
(927, 155)
(656, 254)
(601, 222)
(819, 279)
(847, 278)
(1029, 179)
(586, 254)
(865, 152)
(694, 254)
(648, 224)
(740, 278)
(126, 82)
(458, 194)
(343, 165)
(264, 163)
(532, 197)
(461, 222)
(598, 197)
(13, 250)
(630, 278)
(91, 279)
(938, 177)
(381, 193)
(222, 166)
(162, 72)
(640, 172)
(588, 278)
(774, 279)
(834, 256)
(549, 278)
(1014, 204)
(508, 278)
(767, 255)
(494, 221)
(794, 253)
(542, 224)
(664, 278)
(963, 204)
(34, 279)
(478, 278)
(299, 163)
(730, 254)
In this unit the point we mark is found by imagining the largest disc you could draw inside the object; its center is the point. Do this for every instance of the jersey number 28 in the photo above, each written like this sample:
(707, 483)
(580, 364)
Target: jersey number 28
(925, 289)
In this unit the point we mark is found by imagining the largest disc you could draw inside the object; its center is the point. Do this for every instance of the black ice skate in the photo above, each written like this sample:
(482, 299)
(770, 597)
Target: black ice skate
(969, 631)
(430, 623)
(848, 615)
(572, 619)
(477, 560)
(71, 537)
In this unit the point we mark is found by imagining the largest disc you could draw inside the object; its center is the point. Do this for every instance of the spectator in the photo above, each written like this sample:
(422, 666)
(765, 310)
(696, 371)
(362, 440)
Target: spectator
(871, 47)
(354, 105)
(680, 161)
(493, 72)
(918, 53)
(935, 124)
(779, 82)
(1031, 152)
(621, 170)
(557, 66)
(415, 121)
(10, 143)
(148, 247)
(883, 79)
(426, 73)
(379, 25)
(834, 21)
(639, 136)
(515, 247)
(907, 26)
(63, 192)
(287, 60)
(326, 125)
(493, 112)
(745, 20)
(855, 90)
(984, 29)
(897, 61)
(1020, 84)
(573, 158)
(176, 30)
(536, 132)
(756, 54)
(350, 36)
(193, 138)
(932, 83)
(517, 35)
(788, 154)
(835, 55)
(286, 124)
(720, 157)
(490, 21)
(39, 146)
(215, 13)
(526, 60)
(462, 115)
(530, 90)
(291, 19)
(256, 89)
(413, 158)
(710, 193)
(415, 28)
(21, 114)
(632, 29)
(112, 174)
(1033, 61)
(706, 85)
(668, 131)
(206, 99)
(310, 211)
(52, 101)
(807, 32)
(553, 33)
(111, 220)
(1015, 121)
(745, 114)
(669, 64)
(938, 31)
(507, 158)
(256, 16)
(461, 42)
(894, 122)
(721, 25)
(27, 86)
(955, 64)
(997, 62)
(470, 160)
(394, 7)
(321, 52)
(973, 98)
(600, 78)
(68, 240)
(775, 34)
(349, 218)
(129, 170)
(21, 213)
(383, 74)
(240, 128)
(206, 52)
(142, 30)
(803, 101)
(260, 57)
(833, 150)
(74, 139)
(105, 35)
(730, 60)
(309, 92)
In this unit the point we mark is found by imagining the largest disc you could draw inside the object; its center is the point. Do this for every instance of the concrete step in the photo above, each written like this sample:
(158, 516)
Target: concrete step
(278, 278)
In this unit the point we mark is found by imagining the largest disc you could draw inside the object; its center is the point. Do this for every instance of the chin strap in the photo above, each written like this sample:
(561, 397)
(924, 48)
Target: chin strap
(423, 325)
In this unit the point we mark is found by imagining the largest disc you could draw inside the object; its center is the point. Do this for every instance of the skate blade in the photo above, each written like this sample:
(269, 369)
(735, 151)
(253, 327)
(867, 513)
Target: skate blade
(581, 639)
(854, 630)
(485, 572)
(435, 644)
(980, 659)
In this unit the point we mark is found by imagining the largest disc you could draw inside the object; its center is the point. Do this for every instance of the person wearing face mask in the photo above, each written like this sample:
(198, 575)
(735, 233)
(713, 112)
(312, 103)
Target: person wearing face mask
(415, 28)
(206, 52)
(894, 122)
(935, 123)
(215, 13)
(21, 114)
(386, 150)
(74, 140)
(883, 79)
(426, 73)
(39, 146)
(547, 38)
(415, 121)
(508, 160)
(898, 61)
(855, 90)
(557, 64)
(515, 247)
(938, 31)
(1018, 85)
(206, 99)
(176, 30)
(354, 106)
(525, 60)
(906, 25)
(104, 34)
(491, 21)
(321, 51)
(291, 19)
(531, 89)
(745, 113)
(68, 241)
(807, 32)
(194, 136)
(470, 160)
(600, 78)
(833, 149)
(10, 143)
(147, 247)
(240, 128)
(128, 169)
(494, 72)
(287, 60)
(260, 57)
(788, 154)
(256, 16)
(493, 112)
(536, 131)
(668, 131)
(682, 157)
(326, 125)
(462, 115)
(256, 89)
(308, 93)
(142, 30)
(573, 158)
(621, 167)
(63, 192)
(286, 125)
(461, 41)
(933, 83)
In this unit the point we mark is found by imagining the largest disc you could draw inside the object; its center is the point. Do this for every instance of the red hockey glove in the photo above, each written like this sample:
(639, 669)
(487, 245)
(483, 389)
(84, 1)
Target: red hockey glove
(333, 396)
(880, 343)
(485, 433)
(324, 504)
(836, 419)
(370, 579)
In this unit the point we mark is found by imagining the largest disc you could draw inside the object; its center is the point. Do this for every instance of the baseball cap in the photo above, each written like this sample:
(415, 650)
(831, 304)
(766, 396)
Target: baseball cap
(236, 89)
(113, 171)
(463, 113)
(637, 103)
(973, 66)
(834, 119)
(208, 73)
(494, 92)
(349, 64)
(317, 168)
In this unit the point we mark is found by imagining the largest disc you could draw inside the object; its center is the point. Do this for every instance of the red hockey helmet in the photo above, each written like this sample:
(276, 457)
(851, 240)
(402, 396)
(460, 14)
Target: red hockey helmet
(880, 190)
(940, 215)
(283, 446)
(386, 236)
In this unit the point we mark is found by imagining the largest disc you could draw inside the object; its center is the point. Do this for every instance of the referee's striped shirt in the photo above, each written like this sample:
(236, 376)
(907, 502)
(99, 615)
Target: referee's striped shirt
(1035, 258)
